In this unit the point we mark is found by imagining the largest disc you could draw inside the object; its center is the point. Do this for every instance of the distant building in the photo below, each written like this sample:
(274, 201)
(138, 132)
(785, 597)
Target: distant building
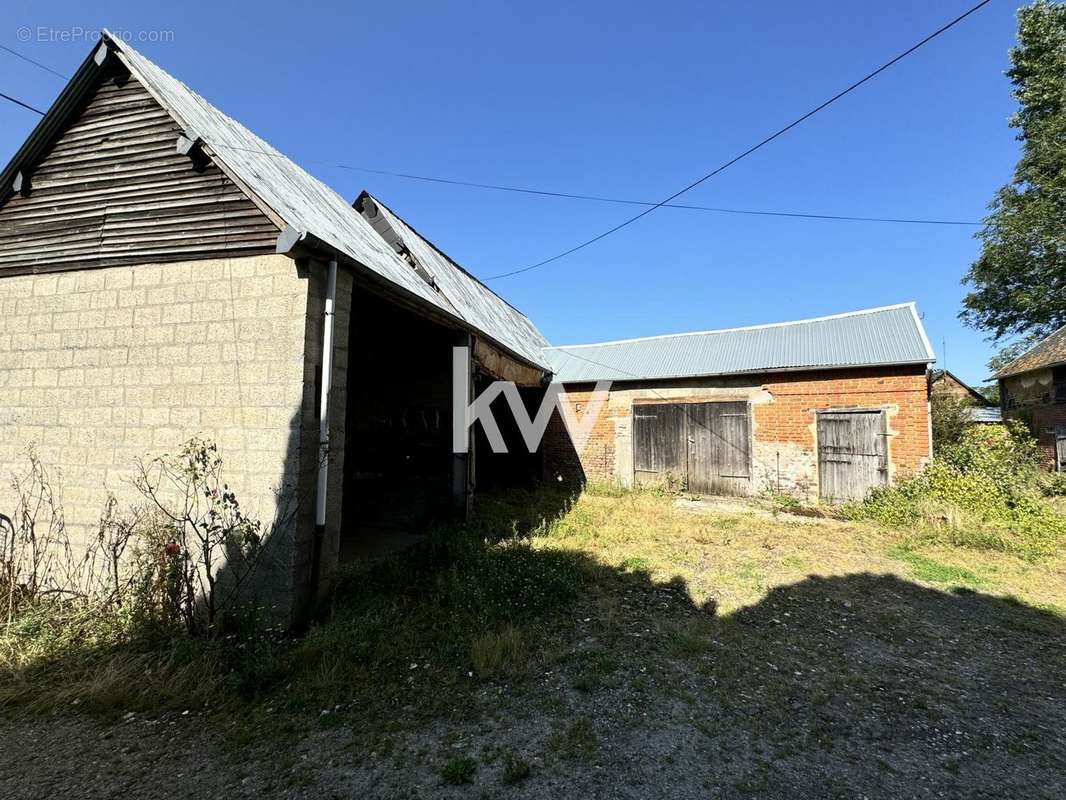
(822, 408)
(1033, 388)
(943, 382)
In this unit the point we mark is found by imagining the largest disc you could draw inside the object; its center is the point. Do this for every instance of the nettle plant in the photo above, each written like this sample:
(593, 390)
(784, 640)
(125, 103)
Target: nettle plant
(204, 548)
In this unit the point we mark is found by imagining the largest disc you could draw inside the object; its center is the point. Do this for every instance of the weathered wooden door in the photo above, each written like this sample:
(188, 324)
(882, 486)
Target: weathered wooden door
(660, 448)
(719, 442)
(704, 446)
(852, 458)
(1060, 448)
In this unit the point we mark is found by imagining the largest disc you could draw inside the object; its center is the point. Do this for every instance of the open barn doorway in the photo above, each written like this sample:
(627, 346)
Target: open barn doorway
(518, 467)
(399, 468)
(398, 454)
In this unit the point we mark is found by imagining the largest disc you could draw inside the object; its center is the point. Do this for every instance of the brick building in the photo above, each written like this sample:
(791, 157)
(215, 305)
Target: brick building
(943, 383)
(1032, 388)
(819, 408)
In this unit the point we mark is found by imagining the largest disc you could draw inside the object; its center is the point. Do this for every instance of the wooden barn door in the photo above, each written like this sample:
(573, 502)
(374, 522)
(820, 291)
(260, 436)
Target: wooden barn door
(1060, 448)
(852, 458)
(719, 456)
(704, 446)
(660, 448)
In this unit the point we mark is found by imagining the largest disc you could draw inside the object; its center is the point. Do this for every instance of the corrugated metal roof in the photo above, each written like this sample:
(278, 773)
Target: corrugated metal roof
(888, 335)
(480, 306)
(1048, 352)
(986, 415)
(310, 206)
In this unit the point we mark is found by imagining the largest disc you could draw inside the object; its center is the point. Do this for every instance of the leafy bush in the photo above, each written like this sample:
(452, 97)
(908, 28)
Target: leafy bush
(1054, 484)
(149, 612)
(981, 492)
(951, 417)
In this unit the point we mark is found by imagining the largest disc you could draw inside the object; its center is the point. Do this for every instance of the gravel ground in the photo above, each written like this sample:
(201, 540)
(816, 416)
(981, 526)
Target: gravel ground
(861, 686)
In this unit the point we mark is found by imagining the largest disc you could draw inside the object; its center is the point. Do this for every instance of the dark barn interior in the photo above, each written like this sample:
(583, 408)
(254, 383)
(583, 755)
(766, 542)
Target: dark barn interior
(399, 465)
(517, 467)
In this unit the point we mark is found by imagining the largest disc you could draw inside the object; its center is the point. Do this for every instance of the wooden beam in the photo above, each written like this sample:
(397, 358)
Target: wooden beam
(21, 184)
(192, 147)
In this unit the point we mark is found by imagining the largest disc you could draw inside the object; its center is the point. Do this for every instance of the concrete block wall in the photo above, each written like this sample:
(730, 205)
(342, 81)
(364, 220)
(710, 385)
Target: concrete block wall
(101, 367)
(783, 422)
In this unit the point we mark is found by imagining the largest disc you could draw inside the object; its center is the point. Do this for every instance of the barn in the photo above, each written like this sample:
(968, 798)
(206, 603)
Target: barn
(823, 409)
(165, 273)
(1032, 388)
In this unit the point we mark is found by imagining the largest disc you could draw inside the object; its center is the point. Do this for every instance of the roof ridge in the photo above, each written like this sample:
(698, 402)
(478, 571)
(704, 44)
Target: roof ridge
(1003, 370)
(858, 312)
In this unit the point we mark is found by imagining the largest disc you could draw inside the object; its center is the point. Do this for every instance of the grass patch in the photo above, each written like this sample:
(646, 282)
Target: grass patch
(515, 768)
(930, 570)
(499, 653)
(577, 740)
(458, 771)
(691, 638)
(748, 623)
(595, 670)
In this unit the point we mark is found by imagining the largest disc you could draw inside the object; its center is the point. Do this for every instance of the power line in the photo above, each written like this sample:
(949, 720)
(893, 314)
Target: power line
(600, 198)
(650, 206)
(750, 150)
(17, 102)
(623, 201)
(590, 197)
(29, 60)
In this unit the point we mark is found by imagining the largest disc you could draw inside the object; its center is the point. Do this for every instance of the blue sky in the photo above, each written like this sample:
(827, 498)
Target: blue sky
(625, 99)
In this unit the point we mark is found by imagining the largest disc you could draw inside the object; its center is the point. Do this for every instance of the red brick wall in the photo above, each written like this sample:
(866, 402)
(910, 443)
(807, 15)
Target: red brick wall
(787, 417)
(597, 461)
(796, 396)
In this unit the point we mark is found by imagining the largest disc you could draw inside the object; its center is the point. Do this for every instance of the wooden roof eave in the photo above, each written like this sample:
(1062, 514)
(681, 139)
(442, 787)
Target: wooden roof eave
(296, 244)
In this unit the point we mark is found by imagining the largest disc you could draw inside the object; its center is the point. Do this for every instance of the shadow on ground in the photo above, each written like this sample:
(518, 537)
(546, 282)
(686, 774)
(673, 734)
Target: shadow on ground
(604, 682)
(861, 684)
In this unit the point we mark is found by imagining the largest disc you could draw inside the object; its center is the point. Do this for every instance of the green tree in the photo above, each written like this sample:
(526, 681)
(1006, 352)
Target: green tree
(990, 392)
(1019, 280)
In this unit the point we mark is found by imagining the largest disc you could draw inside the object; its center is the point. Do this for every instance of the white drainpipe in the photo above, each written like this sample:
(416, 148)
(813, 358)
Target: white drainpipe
(323, 406)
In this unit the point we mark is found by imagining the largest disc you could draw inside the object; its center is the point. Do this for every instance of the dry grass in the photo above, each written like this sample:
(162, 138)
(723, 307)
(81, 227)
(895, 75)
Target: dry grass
(499, 653)
(736, 559)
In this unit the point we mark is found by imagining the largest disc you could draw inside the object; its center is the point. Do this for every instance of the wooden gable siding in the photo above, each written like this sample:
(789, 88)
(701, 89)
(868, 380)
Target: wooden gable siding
(113, 190)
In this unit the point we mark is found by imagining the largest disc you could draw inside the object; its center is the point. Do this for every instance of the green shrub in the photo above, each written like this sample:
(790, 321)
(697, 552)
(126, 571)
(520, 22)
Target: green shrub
(982, 492)
(950, 417)
(1054, 484)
